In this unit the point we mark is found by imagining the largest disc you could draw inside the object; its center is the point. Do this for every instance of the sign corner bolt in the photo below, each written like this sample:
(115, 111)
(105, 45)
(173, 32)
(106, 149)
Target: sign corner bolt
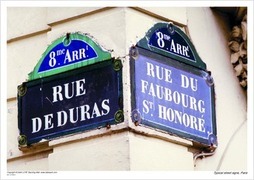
(22, 90)
(171, 28)
(22, 140)
(212, 139)
(209, 79)
(136, 117)
(134, 52)
(117, 64)
(119, 116)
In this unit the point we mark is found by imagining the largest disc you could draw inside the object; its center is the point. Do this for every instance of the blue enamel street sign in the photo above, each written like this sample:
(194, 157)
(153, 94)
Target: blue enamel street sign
(74, 101)
(71, 51)
(173, 97)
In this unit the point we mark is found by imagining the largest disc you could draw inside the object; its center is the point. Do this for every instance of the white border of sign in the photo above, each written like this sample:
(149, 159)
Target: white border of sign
(119, 175)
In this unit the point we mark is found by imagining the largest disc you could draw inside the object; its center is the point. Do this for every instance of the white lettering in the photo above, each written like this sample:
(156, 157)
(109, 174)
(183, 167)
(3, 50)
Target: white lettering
(82, 53)
(36, 124)
(67, 57)
(70, 116)
(184, 81)
(162, 112)
(189, 82)
(201, 124)
(77, 88)
(74, 56)
(150, 69)
(96, 111)
(201, 104)
(144, 85)
(52, 60)
(57, 93)
(67, 90)
(145, 106)
(159, 73)
(160, 40)
(105, 106)
(181, 118)
(179, 49)
(61, 122)
(48, 123)
(80, 87)
(176, 97)
(85, 112)
(172, 46)
(185, 51)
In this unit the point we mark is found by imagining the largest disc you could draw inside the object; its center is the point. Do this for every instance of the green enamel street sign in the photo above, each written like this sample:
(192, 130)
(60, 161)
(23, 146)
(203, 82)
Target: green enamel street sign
(74, 50)
(170, 41)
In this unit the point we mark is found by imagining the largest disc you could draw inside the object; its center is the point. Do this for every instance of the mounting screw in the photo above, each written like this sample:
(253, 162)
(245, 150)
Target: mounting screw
(22, 90)
(171, 28)
(136, 117)
(117, 64)
(119, 117)
(22, 140)
(67, 39)
(209, 79)
(212, 139)
(134, 52)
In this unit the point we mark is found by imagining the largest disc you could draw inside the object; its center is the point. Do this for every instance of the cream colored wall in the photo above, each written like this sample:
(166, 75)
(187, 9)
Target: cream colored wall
(125, 146)
(24, 21)
(209, 33)
(153, 154)
(105, 153)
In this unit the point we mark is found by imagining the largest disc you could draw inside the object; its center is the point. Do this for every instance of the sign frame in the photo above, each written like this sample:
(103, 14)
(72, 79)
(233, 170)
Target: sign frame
(137, 118)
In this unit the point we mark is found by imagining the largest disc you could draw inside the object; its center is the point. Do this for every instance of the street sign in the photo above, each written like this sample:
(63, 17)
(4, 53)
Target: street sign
(173, 97)
(83, 99)
(171, 88)
(68, 52)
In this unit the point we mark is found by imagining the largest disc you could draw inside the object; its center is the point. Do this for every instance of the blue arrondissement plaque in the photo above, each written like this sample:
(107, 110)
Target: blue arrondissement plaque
(173, 97)
(68, 52)
(61, 55)
(83, 99)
